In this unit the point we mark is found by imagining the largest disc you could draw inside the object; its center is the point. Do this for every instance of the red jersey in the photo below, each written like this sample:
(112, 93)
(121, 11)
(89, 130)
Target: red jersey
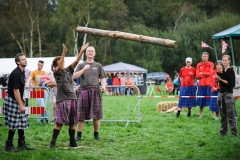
(187, 76)
(206, 70)
(169, 85)
(214, 81)
(115, 81)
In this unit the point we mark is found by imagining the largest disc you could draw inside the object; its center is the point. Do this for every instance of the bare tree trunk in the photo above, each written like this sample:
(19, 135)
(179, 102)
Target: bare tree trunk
(23, 42)
(39, 38)
(29, 10)
(13, 36)
(183, 11)
(75, 36)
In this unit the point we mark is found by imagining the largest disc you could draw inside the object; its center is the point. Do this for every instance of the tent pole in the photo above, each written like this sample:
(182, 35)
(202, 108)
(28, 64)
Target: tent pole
(215, 49)
(233, 58)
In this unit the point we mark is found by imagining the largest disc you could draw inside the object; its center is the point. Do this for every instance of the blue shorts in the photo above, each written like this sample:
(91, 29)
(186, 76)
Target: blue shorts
(116, 89)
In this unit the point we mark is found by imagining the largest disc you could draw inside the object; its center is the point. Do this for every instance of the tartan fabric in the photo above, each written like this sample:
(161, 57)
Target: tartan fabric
(213, 102)
(12, 116)
(66, 112)
(203, 91)
(89, 103)
(187, 102)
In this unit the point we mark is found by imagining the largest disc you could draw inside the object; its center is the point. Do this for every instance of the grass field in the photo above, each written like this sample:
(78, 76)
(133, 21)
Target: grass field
(156, 136)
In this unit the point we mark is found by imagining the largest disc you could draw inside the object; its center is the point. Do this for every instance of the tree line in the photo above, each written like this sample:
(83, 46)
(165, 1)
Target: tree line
(39, 27)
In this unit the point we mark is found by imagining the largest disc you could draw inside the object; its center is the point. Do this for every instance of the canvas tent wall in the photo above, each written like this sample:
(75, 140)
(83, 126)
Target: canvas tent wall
(128, 69)
(8, 64)
(230, 33)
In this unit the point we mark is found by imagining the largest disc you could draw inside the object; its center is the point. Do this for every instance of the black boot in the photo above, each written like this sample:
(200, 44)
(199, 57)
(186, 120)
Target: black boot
(73, 143)
(52, 144)
(189, 114)
(22, 144)
(96, 136)
(9, 146)
(79, 136)
(178, 114)
(72, 139)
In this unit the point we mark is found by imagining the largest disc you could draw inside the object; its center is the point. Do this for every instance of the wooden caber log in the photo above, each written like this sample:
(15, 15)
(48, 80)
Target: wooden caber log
(129, 36)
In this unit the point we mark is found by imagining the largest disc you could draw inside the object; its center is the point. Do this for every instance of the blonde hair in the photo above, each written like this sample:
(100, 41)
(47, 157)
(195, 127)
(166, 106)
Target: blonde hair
(229, 58)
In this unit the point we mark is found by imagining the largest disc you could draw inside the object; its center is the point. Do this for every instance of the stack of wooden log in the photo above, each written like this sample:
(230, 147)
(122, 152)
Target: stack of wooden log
(168, 106)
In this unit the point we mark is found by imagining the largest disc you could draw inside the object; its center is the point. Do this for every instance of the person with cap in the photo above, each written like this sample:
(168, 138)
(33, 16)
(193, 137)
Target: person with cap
(187, 76)
(203, 71)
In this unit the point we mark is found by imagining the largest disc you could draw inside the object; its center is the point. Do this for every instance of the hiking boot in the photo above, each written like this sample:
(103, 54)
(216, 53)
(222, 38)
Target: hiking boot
(22, 144)
(9, 146)
(52, 144)
(73, 143)
(178, 114)
(97, 137)
(189, 114)
(78, 138)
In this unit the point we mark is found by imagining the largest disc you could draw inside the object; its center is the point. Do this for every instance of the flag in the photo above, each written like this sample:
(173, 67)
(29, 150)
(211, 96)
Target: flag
(204, 45)
(224, 46)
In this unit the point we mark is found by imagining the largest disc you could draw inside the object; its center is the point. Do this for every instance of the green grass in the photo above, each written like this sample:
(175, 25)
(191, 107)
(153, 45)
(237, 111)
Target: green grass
(156, 136)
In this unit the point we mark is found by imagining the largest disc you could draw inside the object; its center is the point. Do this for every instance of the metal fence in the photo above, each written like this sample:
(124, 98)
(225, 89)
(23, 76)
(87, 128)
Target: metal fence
(40, 105)
(37, 105)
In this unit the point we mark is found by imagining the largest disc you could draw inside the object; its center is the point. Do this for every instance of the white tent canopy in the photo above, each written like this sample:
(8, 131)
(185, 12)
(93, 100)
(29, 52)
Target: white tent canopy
(8, 64)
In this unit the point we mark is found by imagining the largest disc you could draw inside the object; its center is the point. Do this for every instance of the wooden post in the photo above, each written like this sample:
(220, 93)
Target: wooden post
(129, 36)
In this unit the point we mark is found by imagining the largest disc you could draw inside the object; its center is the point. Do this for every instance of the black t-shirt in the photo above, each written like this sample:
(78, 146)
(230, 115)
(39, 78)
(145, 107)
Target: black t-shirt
(3, 81)
(228, 88)
(16, 81)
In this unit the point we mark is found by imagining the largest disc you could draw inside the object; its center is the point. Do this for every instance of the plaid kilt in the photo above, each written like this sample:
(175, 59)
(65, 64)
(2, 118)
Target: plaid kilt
(89, 103)
(213, 102)
(187, 102)
(12, 116)
(203, 91)
(66, 112)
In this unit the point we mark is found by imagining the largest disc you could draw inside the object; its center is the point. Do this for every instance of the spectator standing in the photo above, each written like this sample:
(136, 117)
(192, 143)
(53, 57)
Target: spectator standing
(14, 106)
(176, 84)
(129, 83)
(4, 80)
(123, 83)
(27, 74)
(53, 90)
(215, 90)
(187, 75)
(109, 83)
(203, 71)
(116, 82)
(89, 100)
(36, 79)
(236, 89)
(225, 98)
